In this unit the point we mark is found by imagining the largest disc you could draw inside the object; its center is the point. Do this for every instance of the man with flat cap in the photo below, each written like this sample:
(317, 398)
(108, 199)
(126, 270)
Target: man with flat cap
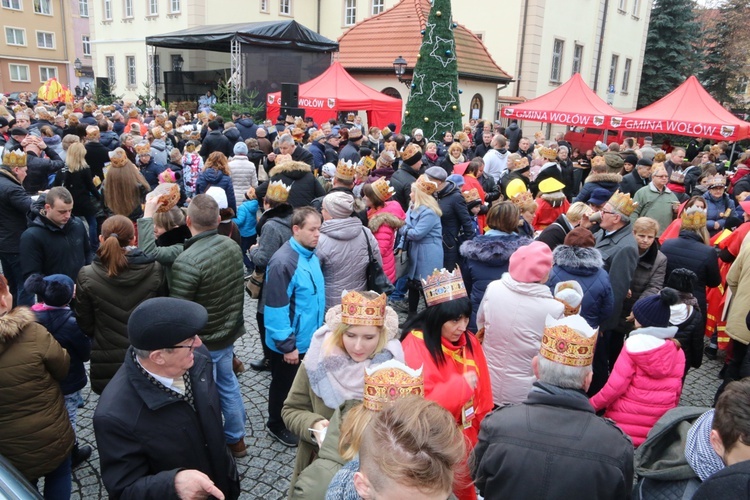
(158, 422)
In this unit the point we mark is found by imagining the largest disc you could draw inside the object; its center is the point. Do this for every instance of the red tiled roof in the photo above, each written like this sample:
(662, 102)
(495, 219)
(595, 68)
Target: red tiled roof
(374, 43)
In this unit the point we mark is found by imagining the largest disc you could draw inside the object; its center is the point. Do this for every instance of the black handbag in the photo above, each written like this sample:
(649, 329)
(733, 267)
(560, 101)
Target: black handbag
(377, 281)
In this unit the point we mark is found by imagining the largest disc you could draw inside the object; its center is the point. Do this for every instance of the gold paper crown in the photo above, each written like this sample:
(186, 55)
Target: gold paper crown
(519, 163)
(278, 191)
(356, 309)
(281, 159)
(382, 189)
(717, 180)
(693, 218)
(598, 161)
(426, 185)
(14, 159)
(390, 381)
(118, 158)
(386, 159)
(345, 170)
(622, 203)
(569, 341)
(548, 153)
(443, 286)
(522, 199)
(471, 195)
(143, 148)
(362, 169)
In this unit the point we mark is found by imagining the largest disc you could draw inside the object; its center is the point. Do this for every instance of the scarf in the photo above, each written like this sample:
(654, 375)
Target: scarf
(458, 160)
(334, 376)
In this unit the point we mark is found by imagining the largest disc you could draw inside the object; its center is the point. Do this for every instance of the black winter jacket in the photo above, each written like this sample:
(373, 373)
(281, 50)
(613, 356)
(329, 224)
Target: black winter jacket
(49, 249)
(514, 133)
(690, 335)
(554, 234)
(62, 324)
(216, 141)
(299, 154)
(689, 251)
(14, 205)
(632, 182)
(304, 186)
(456, 223)
(81, 186)
(585, 457)
(146, 434)
(401, 181)
(103, 307)
(39, 170)
(97, 155)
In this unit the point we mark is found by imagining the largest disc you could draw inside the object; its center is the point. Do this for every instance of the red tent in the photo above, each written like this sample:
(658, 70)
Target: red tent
(335, 90)
(572, 103)
(687, 110)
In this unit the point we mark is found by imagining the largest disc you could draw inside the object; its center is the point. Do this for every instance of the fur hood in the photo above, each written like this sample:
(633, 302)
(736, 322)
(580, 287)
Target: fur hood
(13, 323)
(556, 199)
(570, 257)
(493, 248)
(386, 218)
(295, 169)
(604, 178)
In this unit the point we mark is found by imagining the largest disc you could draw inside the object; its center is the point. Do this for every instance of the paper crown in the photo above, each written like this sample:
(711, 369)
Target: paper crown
(278, 191)
(598, 161)
(281, 159)
(362, 169)
(388, 382)
(570, 294)
(345, 170)
(14, 159)
(471, 195)
(386, 159)
(568, 341)
(716, 181)
(548, 153)
(168, 194)
(693, 218)
(522, 199)
(622, 203)
(143, 148)
(443, 286)
(356, 309)
(519, 163)
(382, 189)
(118, 158)
(425, 185)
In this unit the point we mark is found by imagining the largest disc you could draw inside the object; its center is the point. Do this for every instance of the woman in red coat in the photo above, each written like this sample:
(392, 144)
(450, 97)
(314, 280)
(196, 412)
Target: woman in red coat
(453, 363)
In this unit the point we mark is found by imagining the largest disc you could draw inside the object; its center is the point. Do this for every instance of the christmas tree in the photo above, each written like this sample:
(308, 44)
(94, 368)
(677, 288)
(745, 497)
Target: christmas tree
(433, 100)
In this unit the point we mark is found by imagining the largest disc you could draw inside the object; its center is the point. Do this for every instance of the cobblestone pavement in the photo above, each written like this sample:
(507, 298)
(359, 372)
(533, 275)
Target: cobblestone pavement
(265, 472)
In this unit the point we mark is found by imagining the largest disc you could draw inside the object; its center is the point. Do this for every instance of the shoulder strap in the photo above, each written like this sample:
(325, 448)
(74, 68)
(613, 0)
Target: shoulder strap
(367, 240)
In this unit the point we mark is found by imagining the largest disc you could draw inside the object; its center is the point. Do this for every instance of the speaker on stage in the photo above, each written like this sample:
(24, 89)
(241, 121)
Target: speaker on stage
(290, 95)
(293, 111)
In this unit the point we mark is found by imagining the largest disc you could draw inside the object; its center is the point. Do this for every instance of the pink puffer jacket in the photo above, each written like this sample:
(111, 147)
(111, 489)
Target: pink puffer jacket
(384, 224)
(645, 383)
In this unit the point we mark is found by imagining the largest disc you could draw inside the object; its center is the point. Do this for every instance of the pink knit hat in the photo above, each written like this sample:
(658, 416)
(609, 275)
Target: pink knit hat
(531, 263)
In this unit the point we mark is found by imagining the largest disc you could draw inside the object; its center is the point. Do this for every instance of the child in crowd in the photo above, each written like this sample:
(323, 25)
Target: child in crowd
(687, 317)
(247, 218)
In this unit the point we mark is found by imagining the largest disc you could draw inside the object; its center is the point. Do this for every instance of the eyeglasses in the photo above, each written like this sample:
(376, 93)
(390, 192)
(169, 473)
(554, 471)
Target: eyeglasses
(607, 212)
(189, 346)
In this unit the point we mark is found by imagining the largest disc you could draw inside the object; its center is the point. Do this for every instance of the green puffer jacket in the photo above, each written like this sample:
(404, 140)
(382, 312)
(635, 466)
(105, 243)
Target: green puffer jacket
(210, 272)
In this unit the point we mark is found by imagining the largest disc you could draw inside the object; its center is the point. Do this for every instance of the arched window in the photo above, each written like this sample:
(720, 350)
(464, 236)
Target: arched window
(391, 92)
(476, 103)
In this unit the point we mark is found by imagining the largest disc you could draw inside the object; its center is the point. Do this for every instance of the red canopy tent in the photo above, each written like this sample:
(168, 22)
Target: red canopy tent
(572, 103)
(335, 90)
(687, 110)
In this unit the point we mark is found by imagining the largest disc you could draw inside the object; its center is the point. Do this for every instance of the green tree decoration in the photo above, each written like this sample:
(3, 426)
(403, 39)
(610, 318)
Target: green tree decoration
(433, 103)
(671, 55)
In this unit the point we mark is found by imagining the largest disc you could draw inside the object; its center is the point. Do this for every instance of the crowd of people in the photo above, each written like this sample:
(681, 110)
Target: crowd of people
(483, 313)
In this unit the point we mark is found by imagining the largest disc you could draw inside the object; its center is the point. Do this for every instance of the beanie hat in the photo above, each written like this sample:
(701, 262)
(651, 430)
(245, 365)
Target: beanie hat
(240, 148)
(654, 310)
(683, 280)
(219, 195)
(164, 322)
(632, 159)
(339, 204)
(599, 196)
(580, 237)
(55, 290)
(531, 263)
(644, 161)
(329, 169)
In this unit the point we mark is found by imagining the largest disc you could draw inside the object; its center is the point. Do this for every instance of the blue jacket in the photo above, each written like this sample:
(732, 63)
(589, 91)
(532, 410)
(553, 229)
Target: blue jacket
(62, 324)
(319, 155)
(151, 172)
(423, 235)
(584, 265)
(295, 298)
(247, 127)
(486, 259)
(247, 218)
(211, 177)
(715, 208)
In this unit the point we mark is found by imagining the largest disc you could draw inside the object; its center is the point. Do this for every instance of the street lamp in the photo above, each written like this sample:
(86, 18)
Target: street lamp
(399, 67)
(178, 61)
(78, 67)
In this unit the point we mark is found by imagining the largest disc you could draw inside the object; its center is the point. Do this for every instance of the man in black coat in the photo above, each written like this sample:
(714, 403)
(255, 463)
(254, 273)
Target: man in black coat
(406, 175)
(456, 221)
(288, 147)
(553, 445)
(158, 423)
(638, 178)
(40, 167)
(514, 134)
(215, 141)
(14, 205)
(97, 154)
(350, 152)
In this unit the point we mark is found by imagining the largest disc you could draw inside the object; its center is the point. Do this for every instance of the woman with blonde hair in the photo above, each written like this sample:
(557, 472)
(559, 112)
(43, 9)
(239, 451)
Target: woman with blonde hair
(454, 157)
(216, 173)
(361, 332)
(77, 178)
(124, 186)
(422, 237)
(67, 141)
(120, 277)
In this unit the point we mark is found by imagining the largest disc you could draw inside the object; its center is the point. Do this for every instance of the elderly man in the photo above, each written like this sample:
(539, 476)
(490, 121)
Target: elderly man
(14, 205)
(288, 147)
(350, 152)
(157, 424)
(619, 250)
(40, 166)
(553, 445)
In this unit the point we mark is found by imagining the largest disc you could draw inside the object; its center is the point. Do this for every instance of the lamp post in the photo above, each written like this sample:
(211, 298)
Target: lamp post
(178, 62)
(399, 67)
(78, 66)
